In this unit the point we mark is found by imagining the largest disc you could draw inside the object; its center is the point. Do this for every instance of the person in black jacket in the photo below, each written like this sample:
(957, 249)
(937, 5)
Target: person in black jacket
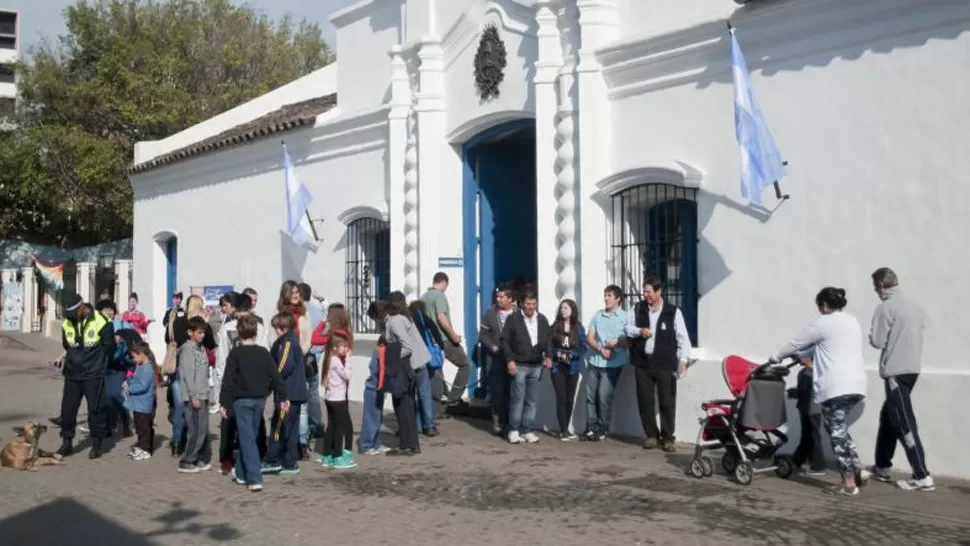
(525, 344)
(89, 344)
(490, 339)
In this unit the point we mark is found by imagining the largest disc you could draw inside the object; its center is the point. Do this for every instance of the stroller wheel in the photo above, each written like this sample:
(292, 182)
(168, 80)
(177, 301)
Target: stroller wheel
(708, 466)
(744, 473)
(696, 468)
(784, 466)
(729, 462)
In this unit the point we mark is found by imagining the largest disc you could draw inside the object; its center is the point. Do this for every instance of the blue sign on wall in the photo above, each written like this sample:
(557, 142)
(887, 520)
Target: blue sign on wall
(450, 262)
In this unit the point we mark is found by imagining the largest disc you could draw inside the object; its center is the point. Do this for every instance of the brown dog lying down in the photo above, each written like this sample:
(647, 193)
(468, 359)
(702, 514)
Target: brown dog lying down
(23, 452)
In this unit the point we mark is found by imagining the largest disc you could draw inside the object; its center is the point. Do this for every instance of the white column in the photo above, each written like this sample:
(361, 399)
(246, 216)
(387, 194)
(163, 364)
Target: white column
(8, 275)
(396, 142)
(122, 282)
(84, 275)
(30, 299)
(598, 26)
(547, 66)
(439, 177)
(566, 156)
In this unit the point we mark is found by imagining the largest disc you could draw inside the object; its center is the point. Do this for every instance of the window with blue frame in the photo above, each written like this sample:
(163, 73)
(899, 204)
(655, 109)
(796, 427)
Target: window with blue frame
(654, 232)
(368, 269)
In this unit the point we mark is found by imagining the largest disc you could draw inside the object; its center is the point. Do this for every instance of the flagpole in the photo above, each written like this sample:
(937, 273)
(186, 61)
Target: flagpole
(778, 195)
(309, 220)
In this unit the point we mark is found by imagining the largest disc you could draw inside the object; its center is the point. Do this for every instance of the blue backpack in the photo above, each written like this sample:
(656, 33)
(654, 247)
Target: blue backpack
(437, 355)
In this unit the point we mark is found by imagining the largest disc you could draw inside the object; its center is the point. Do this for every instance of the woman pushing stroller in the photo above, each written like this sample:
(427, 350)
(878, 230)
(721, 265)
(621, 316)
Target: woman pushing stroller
(835, 339)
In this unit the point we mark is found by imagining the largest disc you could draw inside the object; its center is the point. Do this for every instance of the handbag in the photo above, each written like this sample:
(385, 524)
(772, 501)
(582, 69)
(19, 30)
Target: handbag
(437, 355)
(170, 362)
(310, 366)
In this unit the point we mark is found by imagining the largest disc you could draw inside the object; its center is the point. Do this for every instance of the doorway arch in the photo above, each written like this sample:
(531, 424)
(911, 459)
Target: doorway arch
(499, 217)
(164, 272)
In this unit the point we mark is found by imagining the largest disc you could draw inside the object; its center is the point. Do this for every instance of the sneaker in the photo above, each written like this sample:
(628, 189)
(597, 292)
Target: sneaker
(567, 437)
(142, 455)
(290, 471)
(214, 409)
(669, 447)
(530, 437)
(876, 473)
(255, 487)
(383, 449)
(912, 484)
(590, 436)
(270, 468)
(843, 492)
(514, 437)
(84, 429)
(236, 480)
(344, 462)
(373, 451)
(189, 468)
(134, 452)
(650, 443)
(808, 472)
(600, 436)
(431, 432)
(326, 461)
(204, 467)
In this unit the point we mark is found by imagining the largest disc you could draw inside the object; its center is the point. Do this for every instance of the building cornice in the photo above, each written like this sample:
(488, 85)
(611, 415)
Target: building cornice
(673, 172)
(770, 35)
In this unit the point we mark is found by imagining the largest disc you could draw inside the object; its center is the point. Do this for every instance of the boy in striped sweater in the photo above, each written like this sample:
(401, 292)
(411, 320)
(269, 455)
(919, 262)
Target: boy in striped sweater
(283, 449)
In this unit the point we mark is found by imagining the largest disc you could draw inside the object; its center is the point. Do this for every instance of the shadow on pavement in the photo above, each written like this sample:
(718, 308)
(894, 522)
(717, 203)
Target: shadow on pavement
(66, 521)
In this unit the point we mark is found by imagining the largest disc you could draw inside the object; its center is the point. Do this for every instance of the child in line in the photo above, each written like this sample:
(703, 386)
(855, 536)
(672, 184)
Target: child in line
(251, 375)
(338, 440)
(810, 446)
(139, 393)
(369, 440)
(284, 438)
(194, 376)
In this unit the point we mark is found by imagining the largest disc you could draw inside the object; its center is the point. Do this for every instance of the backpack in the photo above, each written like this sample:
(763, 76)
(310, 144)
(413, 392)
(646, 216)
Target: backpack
(437, 355)
(311, 366)
(170, 362)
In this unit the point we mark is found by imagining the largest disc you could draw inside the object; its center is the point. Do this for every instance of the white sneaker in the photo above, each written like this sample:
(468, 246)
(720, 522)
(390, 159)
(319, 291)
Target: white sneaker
(530, 437)
(912, 484)
(84, 429)
(807, 472)
(142, 455)
(514, 437)
(214, 409)
(876, 473)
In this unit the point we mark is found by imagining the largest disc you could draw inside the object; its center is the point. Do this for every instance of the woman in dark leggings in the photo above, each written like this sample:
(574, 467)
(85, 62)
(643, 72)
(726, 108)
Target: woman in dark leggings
(568, 344)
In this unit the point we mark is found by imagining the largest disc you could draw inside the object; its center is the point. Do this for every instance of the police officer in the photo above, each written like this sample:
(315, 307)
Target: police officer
(89, 341)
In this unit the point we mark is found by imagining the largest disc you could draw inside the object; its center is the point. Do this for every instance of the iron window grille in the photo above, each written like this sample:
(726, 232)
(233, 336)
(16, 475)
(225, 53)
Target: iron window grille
(654, 233)
(368, 269)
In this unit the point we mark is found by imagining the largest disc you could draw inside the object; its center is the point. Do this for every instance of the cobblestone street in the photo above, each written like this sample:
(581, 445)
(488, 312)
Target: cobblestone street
(467, 488)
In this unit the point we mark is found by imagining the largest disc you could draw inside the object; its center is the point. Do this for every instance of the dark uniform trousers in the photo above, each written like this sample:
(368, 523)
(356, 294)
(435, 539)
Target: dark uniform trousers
(91, 390)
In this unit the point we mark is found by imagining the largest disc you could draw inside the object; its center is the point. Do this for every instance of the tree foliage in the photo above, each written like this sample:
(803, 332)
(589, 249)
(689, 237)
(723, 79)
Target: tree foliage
(128, 71)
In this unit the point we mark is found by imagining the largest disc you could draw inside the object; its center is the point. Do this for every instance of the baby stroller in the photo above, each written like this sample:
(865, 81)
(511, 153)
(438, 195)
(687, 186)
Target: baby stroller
(751, 427)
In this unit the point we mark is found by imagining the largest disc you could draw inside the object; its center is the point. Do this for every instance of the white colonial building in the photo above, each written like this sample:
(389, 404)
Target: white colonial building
(609, 151)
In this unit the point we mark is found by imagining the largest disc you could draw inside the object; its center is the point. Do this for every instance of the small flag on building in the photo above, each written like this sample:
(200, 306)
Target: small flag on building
(53, 275)
(298, 223)
(761, 163)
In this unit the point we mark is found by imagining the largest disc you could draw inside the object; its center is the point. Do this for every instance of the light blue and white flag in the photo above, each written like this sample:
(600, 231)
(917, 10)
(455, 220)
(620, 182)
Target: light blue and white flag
(761, 163)
(297, 201)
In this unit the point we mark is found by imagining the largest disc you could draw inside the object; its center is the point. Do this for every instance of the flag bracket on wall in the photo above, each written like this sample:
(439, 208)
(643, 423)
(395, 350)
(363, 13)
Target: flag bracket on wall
(781, 196)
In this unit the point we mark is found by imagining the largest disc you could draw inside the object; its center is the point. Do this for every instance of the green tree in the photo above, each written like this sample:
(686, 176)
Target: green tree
(127, 71)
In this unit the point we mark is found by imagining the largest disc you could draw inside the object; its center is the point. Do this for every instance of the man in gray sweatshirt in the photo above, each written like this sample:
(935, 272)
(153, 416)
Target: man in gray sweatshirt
(897, 330)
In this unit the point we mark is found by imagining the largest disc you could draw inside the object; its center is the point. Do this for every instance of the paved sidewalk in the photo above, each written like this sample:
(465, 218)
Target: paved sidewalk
(466, 489)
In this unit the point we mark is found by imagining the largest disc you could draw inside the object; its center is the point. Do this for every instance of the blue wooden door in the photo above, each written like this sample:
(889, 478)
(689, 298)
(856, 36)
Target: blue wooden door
(171, 273)
(507, 213)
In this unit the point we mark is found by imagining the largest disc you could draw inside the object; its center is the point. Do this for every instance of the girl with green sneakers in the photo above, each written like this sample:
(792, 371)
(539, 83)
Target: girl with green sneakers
(338, 440)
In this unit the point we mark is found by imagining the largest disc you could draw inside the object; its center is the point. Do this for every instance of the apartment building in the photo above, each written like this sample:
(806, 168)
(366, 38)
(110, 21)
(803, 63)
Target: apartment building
(9, 55)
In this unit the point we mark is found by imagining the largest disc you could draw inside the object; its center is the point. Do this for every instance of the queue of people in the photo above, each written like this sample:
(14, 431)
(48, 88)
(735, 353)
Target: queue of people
(232, 365)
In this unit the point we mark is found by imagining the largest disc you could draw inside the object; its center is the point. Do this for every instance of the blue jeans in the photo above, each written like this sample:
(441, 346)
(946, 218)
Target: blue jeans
(600, 384)
(422, 400)
(178, 410)
(314, 411)
(248, 413)
(524, 398)
(370, 428)
(117, 414)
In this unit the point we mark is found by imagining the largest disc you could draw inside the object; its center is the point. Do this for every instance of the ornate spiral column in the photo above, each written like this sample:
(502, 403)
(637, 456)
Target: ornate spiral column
(566, 158)
(411, 281)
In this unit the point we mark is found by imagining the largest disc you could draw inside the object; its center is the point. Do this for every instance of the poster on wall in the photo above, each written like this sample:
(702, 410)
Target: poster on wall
(211, 295)
(13, 306)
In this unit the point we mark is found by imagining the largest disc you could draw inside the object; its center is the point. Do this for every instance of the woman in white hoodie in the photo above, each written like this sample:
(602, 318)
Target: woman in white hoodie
(835, 338)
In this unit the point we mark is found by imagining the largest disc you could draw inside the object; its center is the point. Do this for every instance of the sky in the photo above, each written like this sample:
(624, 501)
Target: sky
(44, 18)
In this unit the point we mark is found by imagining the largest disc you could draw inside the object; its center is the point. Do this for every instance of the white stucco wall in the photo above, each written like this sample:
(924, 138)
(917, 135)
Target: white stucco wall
(868, 114)
(366, 31)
